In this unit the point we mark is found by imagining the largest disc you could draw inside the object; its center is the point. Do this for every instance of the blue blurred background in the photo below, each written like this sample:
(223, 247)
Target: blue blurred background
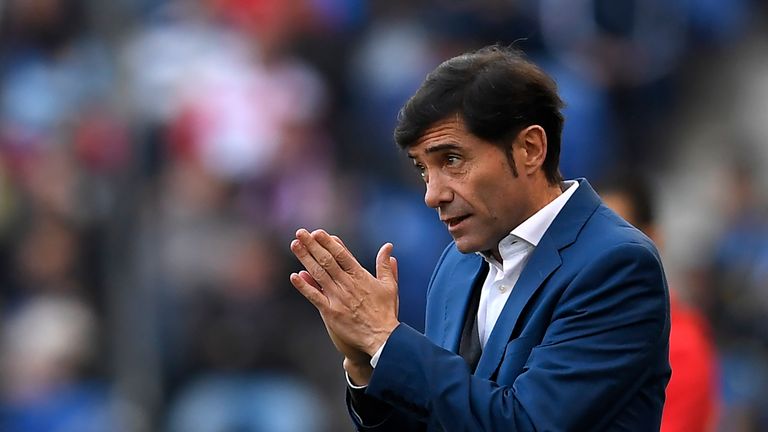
(157, 156)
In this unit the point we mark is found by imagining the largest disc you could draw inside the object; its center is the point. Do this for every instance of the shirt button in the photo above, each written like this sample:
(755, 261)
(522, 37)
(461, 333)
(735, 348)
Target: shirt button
(502, 288)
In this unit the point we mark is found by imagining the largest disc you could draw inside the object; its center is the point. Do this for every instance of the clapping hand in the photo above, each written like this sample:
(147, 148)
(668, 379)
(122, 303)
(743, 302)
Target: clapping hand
(359, 310)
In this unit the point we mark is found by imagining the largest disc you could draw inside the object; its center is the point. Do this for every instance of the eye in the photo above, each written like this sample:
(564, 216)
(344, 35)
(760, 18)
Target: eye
(452, 160)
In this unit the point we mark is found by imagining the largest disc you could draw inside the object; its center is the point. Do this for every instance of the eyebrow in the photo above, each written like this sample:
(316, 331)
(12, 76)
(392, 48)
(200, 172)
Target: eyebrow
(437, 148)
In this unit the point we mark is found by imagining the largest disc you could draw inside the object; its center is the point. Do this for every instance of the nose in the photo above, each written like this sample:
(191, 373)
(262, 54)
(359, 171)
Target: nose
(438, 192)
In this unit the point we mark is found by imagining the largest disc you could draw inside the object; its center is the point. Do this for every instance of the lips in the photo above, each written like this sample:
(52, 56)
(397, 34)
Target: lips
(455, 221)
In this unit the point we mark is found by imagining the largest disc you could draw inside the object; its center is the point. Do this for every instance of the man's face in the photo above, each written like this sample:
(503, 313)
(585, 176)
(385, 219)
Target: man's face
(472, 186)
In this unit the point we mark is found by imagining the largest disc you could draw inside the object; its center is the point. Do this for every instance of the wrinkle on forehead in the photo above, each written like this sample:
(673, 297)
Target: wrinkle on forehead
(447, 131)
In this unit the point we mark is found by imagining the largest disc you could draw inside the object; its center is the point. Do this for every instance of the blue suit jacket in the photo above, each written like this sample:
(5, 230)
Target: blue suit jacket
(581, 344)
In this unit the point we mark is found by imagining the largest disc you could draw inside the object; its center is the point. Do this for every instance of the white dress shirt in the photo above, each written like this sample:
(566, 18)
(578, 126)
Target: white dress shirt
(515, 249)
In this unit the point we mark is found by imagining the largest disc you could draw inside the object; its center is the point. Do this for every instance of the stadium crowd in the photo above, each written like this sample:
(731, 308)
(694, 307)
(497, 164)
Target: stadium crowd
(156, 158)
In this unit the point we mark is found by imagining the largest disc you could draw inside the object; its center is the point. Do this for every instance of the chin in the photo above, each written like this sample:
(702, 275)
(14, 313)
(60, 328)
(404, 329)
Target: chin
(464, 246)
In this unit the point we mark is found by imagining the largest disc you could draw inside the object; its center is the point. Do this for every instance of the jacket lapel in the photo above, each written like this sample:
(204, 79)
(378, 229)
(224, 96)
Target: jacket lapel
(544, 260)
(463, 277)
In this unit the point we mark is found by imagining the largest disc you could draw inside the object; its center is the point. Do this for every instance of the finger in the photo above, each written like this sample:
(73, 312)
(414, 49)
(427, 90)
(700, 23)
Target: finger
(339, 251)
(315, 270)
(309, 279)
(339, 241)
(325, 260)
(384, 269)
(315, 296)
(319, 253)
(329, 250)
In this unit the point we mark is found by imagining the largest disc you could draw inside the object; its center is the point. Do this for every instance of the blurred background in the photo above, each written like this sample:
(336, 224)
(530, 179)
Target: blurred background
(157, 156)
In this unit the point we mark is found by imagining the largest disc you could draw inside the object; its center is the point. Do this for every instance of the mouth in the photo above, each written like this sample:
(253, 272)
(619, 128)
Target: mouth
(454, 222)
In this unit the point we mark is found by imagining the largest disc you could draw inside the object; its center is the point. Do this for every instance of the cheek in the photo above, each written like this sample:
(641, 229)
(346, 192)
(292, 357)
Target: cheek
(485, 186)
(489, 198)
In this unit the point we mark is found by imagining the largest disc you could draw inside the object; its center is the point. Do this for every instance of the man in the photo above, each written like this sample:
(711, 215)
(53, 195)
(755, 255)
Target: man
(547, 312)
(692, 395)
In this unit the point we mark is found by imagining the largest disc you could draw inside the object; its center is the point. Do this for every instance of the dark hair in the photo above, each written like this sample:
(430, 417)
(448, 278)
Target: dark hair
(497, 92)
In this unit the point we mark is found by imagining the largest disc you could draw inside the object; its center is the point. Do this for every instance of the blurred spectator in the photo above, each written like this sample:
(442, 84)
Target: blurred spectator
(44, 262)
(379, 86)
(243, 336)
(271, 403)
(46, 51)
(739, 299)
(47, 349)
(692, 402)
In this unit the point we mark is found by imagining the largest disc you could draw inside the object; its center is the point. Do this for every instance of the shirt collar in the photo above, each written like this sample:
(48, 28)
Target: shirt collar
(532, 229)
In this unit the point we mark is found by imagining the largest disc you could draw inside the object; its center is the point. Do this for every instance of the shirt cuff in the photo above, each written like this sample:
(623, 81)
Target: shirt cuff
(376, 355)
(374, 361)
(352, 386)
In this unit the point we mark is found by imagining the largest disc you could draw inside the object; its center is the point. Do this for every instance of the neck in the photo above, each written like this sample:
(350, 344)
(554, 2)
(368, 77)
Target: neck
(553, 191)
(538, 201)
(547, 193)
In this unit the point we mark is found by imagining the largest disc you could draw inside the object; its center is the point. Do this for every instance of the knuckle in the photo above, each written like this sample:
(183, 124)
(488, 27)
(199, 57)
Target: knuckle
(317, 299)
(317, 271)
(339, 255)
(325, 261)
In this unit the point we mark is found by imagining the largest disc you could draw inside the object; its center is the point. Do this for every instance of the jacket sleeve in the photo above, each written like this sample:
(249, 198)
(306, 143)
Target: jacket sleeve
(609, 323)
(371, 414)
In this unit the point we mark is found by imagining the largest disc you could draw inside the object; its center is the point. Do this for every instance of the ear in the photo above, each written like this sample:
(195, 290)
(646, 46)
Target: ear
(533, 147)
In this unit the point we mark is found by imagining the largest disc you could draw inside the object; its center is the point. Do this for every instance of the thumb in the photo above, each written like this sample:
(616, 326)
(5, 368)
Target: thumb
(393, 266)
(384, 269)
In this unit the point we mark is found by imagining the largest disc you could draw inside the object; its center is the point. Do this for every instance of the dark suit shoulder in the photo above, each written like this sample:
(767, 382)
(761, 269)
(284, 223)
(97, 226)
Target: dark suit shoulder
(605, 230)
(607, 245)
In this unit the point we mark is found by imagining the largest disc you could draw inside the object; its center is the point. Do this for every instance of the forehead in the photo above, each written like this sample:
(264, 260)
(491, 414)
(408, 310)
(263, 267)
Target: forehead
(449, 132)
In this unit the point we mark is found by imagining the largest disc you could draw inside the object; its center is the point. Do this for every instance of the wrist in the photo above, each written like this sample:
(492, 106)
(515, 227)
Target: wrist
(379, 339)
(357, 357)
(359, 373)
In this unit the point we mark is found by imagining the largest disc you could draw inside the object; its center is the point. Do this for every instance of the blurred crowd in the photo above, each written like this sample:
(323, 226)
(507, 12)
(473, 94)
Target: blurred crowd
(157, 156)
